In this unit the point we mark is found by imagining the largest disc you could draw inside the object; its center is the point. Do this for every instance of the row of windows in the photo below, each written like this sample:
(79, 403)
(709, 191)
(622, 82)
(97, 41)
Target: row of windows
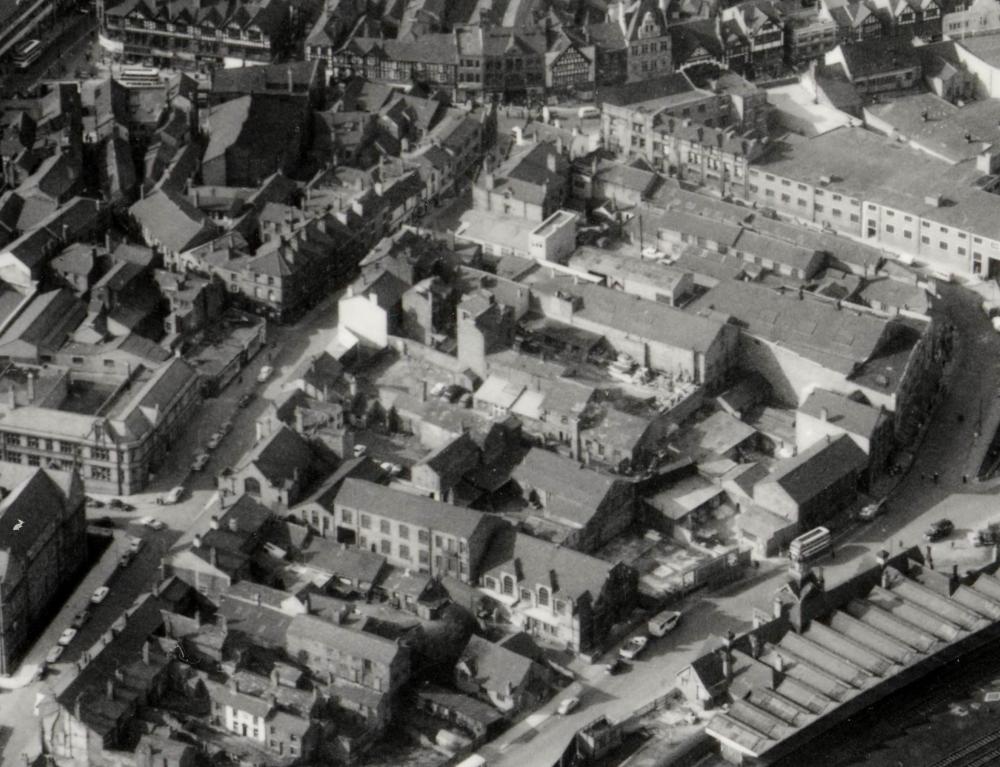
(541, 595)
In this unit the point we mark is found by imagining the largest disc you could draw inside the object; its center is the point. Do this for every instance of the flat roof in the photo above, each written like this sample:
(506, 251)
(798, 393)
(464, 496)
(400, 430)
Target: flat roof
(871, 167)
(984, 47)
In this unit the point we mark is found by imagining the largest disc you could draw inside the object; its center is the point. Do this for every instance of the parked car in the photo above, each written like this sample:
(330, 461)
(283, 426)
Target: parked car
(152, 522)
(103, 522)
(392, 469)
(265, 372)
(199, 462)
(633, 648)
(67, 636)
(360, 450)
(134, 544)
(80, 619)
(214, 441)
(942, 528)
(54, 654)
(120, 505)
(663, 623)
(245, 400)
(93, 503)
(126, 559)
(873, 510)
(616, 666)
(100, 595)
(566, 705)
(169, 499)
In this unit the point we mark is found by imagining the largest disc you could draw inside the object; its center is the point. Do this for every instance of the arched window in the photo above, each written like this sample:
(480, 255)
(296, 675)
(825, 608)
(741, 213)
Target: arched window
(508, 585)
(543, 596)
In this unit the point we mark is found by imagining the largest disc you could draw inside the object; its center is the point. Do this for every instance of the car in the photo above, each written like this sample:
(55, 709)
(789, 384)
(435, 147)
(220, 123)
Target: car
(152, 522)
(199, 462)
(873, 510)
(126, 559)
(67, 636)
(452, 392)
(169, 499)
(566, 705)
(225, 427)
(265, 372)
(214, 441)
(134, 544)
(103, 522)
(392, 469)
(633, 648)
(100, 595)
(663, 623)
(942, 528)
(93, 503)
(616, 666)
(245, 400)
(360, 450)
(120, 505)
(54, 654)
(80, 619)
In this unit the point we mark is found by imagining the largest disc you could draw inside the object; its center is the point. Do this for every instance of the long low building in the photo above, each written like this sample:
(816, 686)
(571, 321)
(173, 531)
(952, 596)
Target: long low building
(829, 653)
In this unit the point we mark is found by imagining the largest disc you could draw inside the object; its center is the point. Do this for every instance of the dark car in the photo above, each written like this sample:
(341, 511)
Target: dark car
(80, 619)
(938, 530)
(94, 503)
(616, 666)
(103, 522)
(245, 400)
(120, 505)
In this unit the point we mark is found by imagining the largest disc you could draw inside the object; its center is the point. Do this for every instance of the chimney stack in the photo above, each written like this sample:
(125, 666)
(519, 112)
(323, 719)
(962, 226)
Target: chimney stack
(109, 689)
(291, 82)
(145, 652)
(234, 525)
(213, 557)
(824, 414)
(214, 524)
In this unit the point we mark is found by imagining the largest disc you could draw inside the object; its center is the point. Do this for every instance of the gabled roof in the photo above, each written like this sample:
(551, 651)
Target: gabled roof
(573, 492)
(359, 644)
(280, 457)
(494, 667)
(816, 469)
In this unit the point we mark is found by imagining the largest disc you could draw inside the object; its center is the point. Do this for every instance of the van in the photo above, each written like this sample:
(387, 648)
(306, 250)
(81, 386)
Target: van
(587, 112)
(473, 761)
(663, 623)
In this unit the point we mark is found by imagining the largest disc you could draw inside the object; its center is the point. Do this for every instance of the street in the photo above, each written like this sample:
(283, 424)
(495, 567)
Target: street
(289, 346)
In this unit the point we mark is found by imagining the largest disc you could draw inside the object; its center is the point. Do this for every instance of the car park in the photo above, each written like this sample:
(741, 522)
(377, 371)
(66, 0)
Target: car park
(100, 595)
(199, 462)
(54, 654)
(567, 705)
(67, 636)
(633, 648)
(942, 528)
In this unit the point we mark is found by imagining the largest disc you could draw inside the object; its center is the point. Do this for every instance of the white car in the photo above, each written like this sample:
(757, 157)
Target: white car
(54, 654)
(152, 522)
(134, 544)
(67, 636)
(633, 647)
(214, 441)
(392, 469)
(663, 623)
(170, 498)
(100, 595)
(199, 462)
(360, 450)
(265, 372)
(566, 705)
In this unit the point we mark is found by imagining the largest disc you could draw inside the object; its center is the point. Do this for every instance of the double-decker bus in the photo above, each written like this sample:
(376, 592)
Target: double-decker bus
(810, 544)
(26, 53)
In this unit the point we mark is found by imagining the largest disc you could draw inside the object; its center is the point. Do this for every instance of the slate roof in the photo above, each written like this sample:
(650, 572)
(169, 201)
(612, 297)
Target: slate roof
(358, 644)
(574, 491)
(493, 666)
(817, 468)
(415, 510)
(842, 412)
(172, 221)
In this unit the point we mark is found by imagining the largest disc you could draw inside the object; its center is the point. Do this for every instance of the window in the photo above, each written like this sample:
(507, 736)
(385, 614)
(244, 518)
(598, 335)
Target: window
(101, 473)
(854, 218)
(943, 245)
(366, 521)
(33, 442)
(13, 457)
(837, 213)
(34, 460)
(386, 546)
(423, 557)
(925, 240)
(12, 439)
(346, 515)
(65, 447)
(404, 551)
(543, 596)
(818, 208)
(438, 542)
(890, 228)
(423, 536)
(525, 595)
(100, 453)
(384, 527)
(508, 585)
(490, 583)
(908, 234)
(961, 251)
(404, 531)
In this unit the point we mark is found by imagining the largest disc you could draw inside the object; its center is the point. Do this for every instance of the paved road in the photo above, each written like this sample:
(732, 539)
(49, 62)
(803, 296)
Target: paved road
(71, 37)
(291, 345)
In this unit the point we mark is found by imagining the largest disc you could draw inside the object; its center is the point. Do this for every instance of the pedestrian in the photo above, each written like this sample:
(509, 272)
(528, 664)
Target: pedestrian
(937, 476)
(965, 479)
